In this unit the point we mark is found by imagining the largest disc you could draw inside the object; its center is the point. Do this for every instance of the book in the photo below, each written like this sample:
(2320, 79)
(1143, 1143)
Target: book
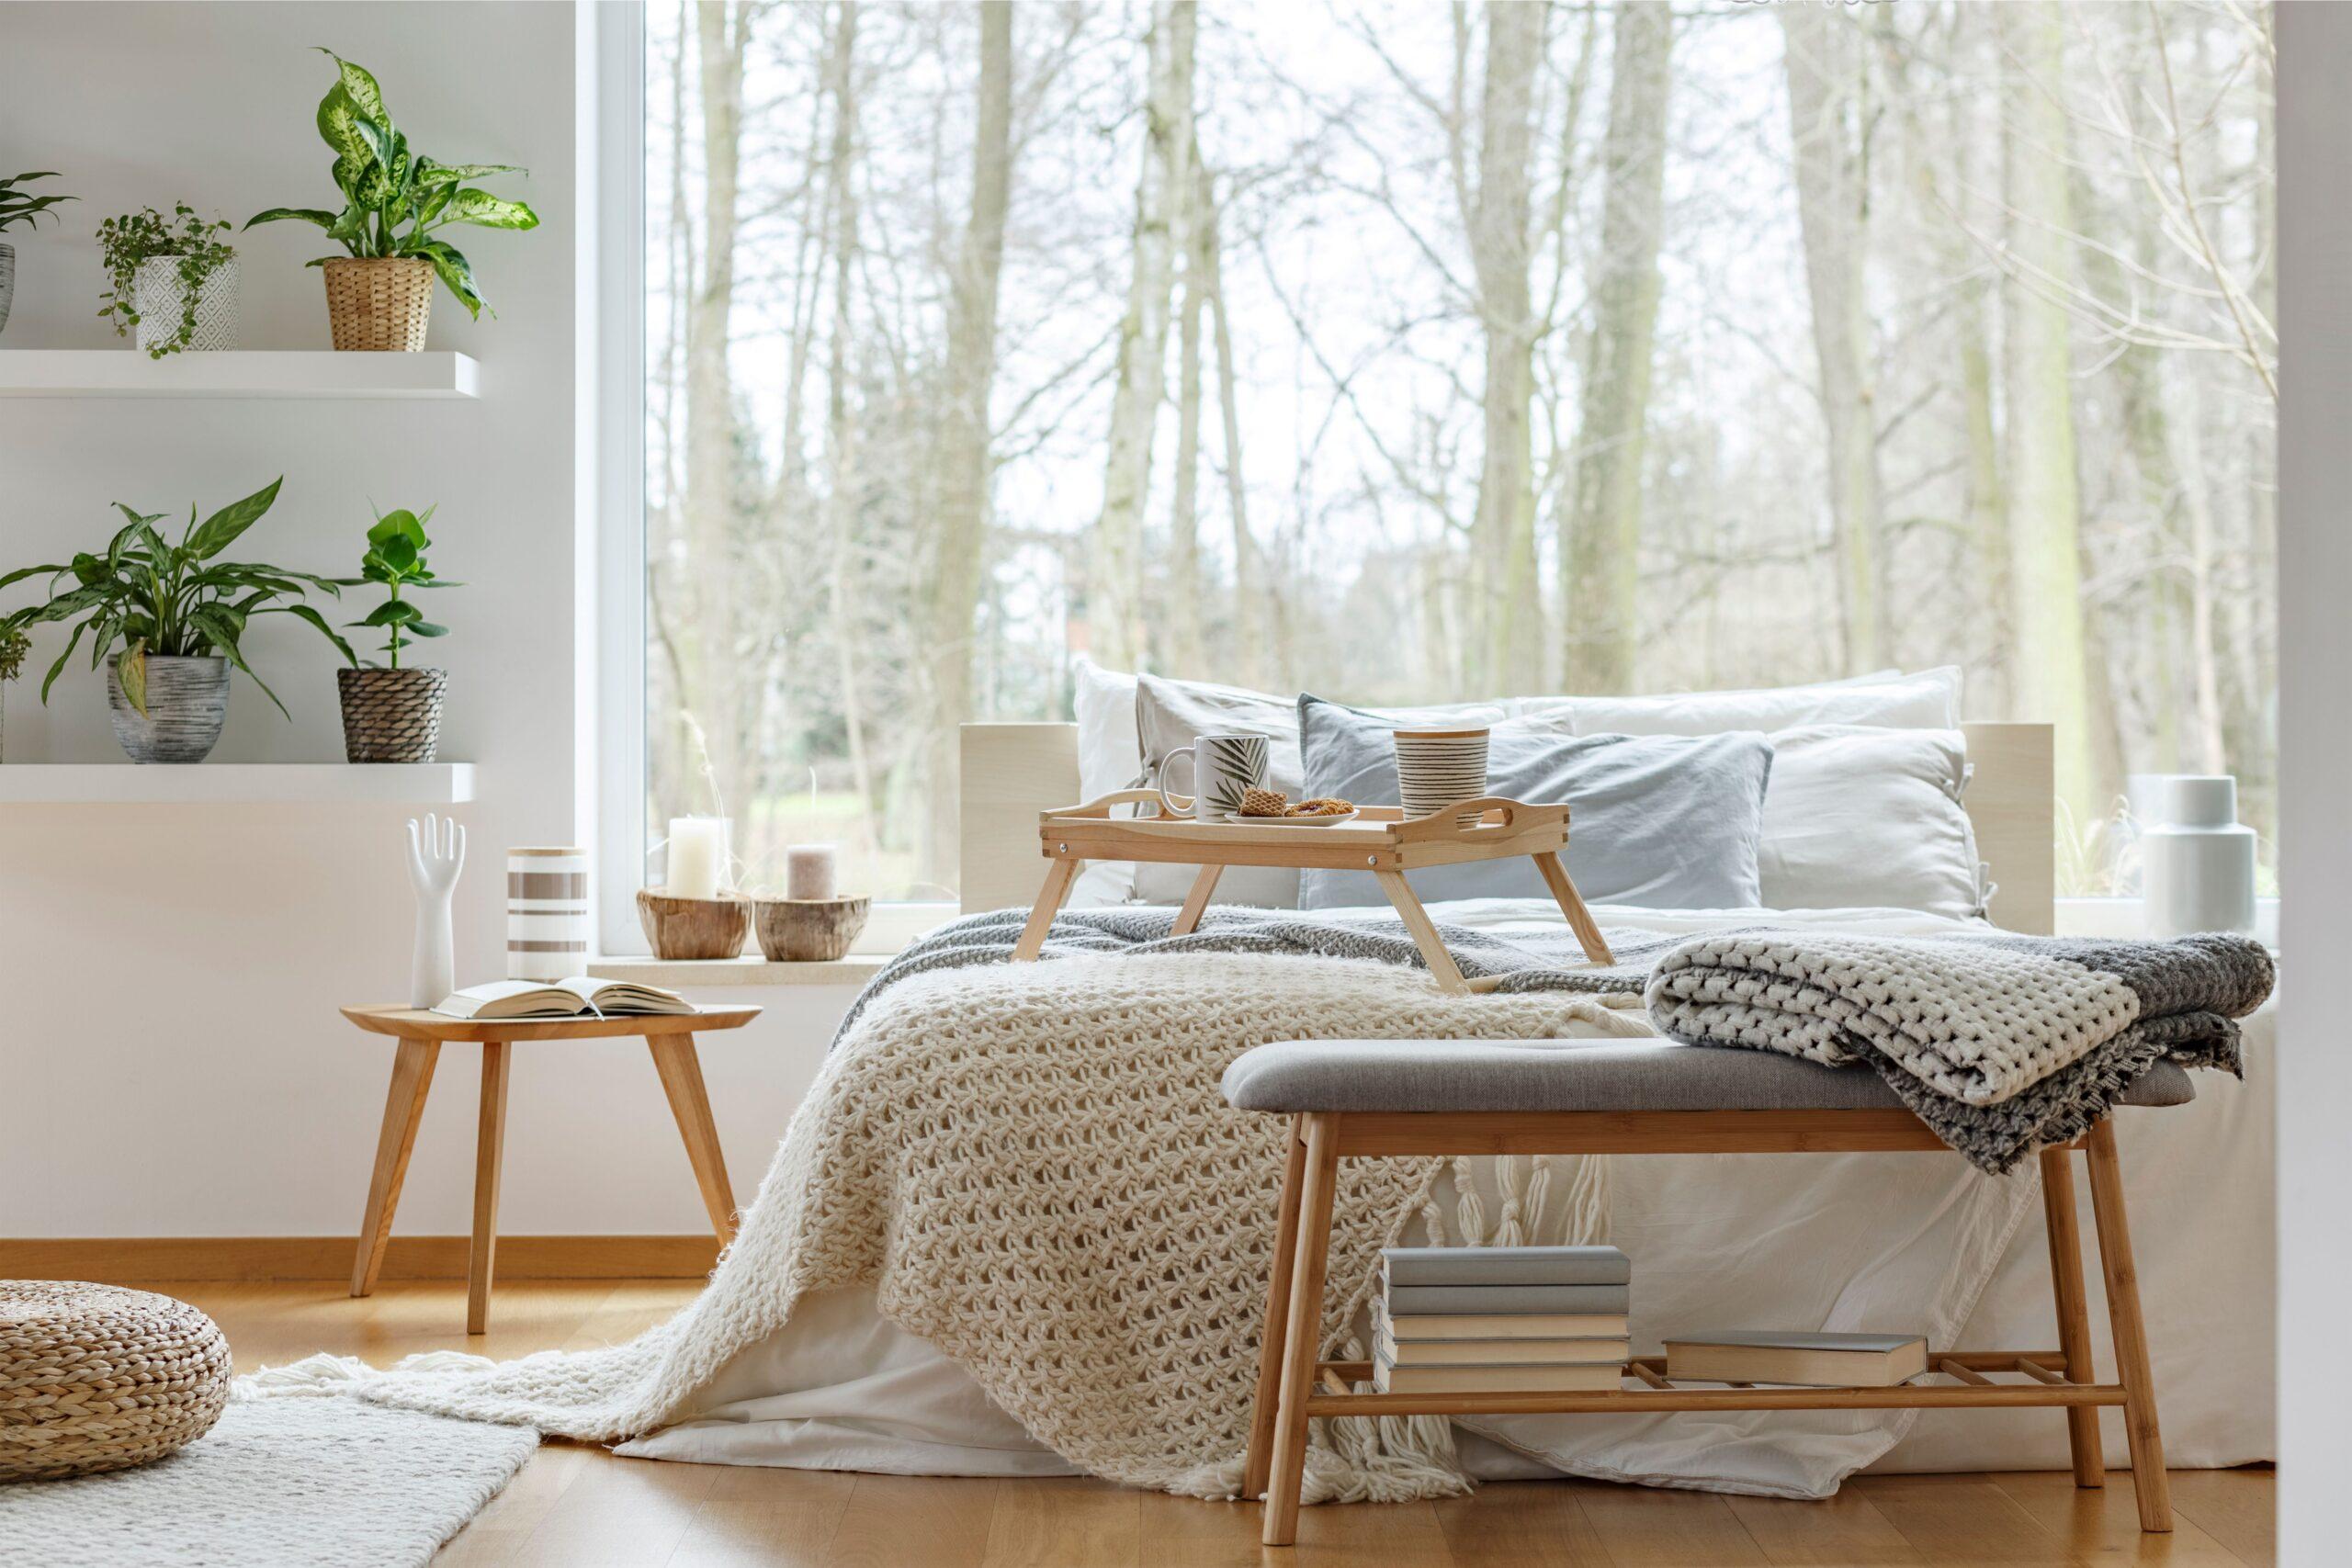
(1492, 1379)
(1404, 1299)
(1420, 1329)
(1504, 1266)
(1831, 1360)
(1501, 1352)
(579, 997)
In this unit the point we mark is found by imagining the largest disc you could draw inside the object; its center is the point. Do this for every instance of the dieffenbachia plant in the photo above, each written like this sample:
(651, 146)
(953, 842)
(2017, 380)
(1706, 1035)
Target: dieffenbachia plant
(395, 202)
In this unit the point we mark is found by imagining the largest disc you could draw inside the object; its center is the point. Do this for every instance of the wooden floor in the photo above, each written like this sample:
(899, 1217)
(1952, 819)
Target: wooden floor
(582, 1507)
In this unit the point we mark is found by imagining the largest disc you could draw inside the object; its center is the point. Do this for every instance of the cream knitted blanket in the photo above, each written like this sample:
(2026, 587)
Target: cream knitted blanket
(1032, 1167)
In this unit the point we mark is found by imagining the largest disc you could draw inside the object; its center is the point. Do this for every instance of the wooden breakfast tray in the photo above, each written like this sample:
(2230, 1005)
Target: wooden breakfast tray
(1381, 840)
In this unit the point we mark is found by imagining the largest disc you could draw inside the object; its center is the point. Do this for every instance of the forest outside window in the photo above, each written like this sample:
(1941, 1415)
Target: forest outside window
(1410, 352)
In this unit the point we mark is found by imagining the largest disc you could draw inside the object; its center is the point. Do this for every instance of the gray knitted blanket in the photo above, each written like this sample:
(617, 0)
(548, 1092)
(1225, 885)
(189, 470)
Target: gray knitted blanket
(2000, 1043)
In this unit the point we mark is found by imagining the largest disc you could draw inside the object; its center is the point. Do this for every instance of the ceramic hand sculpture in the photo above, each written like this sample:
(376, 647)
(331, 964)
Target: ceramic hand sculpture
(434, 859)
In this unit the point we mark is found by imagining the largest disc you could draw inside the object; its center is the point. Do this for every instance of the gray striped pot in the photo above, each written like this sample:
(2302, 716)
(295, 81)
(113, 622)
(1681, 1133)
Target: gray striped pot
(187, 702)
(392, 715)
(7, 282)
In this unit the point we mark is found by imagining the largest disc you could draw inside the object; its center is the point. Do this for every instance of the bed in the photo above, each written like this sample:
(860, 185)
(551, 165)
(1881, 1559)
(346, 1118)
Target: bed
(1838, 1241)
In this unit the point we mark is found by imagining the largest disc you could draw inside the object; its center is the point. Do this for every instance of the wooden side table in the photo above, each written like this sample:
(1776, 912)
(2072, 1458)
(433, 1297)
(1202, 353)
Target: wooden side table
(422, 1034)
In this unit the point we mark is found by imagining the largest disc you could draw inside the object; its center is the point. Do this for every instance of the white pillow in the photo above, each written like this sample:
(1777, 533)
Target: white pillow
(1109, 758)
(1860, 817)
(1929, 700)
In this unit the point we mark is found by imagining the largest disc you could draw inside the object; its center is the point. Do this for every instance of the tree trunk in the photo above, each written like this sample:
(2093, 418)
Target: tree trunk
(706, 677)
(1252, 660)
(1503, 538)
(1114, 598)
(1183, 616)
(841, 433)
(2045, 552)
(1829, 126)
(1601, 522)
(960, 518)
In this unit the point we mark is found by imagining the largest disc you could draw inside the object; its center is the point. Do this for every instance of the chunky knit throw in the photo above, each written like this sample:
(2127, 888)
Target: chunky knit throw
(2001, 1044)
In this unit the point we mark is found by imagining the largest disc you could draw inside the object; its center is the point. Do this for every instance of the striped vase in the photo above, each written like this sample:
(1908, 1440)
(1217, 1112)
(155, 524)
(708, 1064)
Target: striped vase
(1437, 767)
(546, 913)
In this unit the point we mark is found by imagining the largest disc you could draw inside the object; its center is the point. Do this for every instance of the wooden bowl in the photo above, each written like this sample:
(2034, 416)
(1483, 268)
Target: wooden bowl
(808, 930)
(688, 929)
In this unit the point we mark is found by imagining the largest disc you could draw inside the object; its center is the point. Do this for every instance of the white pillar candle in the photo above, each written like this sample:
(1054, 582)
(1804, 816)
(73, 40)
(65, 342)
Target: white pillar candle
(697, 856)
(809, 871)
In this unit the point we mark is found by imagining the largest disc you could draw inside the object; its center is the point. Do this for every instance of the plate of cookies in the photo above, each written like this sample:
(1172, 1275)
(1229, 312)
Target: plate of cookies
(1273, 809)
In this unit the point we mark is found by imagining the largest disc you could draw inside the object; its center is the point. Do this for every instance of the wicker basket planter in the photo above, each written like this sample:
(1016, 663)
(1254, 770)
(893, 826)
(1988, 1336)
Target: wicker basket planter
(187, 702)
(378, 304)
(392, 715)
(95, 1378)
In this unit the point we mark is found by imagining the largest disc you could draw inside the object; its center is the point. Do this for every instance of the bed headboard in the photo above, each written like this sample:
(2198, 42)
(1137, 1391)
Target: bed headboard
(1011, 772)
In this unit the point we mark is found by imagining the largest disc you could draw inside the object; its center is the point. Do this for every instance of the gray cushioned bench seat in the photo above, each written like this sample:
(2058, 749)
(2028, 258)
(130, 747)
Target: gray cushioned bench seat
(1571, 1075)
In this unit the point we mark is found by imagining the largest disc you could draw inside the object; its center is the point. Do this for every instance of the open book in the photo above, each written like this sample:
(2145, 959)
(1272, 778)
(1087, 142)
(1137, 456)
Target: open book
(579, 997)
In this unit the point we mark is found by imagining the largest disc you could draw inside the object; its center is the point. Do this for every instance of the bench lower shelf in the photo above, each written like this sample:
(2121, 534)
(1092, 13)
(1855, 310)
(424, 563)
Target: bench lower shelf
(1969, 1390)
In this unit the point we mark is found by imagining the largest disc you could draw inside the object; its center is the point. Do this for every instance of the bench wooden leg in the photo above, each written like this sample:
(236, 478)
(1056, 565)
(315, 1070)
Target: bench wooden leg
(488, 1147)
(404, 1110)
(1271, 1337)
(2147, 1442)
(1303, 1331)
(2073, 1311)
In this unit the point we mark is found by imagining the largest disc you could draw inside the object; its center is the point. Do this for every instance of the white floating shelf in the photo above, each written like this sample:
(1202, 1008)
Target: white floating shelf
(232, 783)
(235, 373)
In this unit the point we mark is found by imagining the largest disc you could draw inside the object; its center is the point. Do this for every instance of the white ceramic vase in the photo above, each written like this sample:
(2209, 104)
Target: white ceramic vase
(546, 913)
(2196, 858)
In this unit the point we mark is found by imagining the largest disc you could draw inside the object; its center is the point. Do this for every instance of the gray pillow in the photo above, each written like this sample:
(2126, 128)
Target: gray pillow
(1663, 821)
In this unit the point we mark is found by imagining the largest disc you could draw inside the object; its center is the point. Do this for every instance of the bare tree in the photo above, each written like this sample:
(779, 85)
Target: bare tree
(1114, 600)
(1601, 518)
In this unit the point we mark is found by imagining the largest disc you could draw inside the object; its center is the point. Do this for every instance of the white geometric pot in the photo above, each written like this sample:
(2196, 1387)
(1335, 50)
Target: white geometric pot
(157, 294)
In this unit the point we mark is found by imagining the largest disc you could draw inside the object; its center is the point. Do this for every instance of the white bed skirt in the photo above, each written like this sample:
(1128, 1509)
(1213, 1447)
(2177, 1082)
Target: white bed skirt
(1888, 1241)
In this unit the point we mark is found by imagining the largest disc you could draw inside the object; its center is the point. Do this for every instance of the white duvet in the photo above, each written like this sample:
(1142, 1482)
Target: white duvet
(1916, 1243)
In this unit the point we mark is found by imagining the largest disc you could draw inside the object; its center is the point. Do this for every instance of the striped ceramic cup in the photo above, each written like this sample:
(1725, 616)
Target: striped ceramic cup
(546, 913)
(1437, 767)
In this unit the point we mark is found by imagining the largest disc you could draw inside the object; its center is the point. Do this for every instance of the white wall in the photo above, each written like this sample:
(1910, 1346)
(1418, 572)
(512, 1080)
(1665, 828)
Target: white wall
(170, 1058)
(2315, 760)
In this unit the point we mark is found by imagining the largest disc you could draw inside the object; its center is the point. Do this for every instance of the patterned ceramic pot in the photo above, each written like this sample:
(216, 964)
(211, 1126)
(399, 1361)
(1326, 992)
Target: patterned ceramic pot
(7, 282)
(187, 702)
(161, 299)
(392, 715)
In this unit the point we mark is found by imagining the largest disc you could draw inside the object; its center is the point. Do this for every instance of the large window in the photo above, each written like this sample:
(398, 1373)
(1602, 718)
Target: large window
(1413, 351)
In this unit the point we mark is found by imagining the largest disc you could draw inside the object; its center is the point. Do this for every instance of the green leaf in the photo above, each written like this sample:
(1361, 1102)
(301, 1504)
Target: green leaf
(391, 613)
(484, 210)
(323, 218)
(23, 573)
(457, 272)
(221, 528)
(398, 554)
(358, 84)
(431, 175)
(67, 605)
(57, 669)
(426, 629)
(131, 671)
(303, 612)
(339, 128)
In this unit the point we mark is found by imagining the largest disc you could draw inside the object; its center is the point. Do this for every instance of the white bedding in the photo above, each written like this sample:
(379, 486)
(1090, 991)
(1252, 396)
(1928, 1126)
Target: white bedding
(1908, 1242)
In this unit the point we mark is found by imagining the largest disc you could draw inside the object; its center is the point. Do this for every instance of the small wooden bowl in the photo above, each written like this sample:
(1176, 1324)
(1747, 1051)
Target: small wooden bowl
(808, 930)
(689, 929)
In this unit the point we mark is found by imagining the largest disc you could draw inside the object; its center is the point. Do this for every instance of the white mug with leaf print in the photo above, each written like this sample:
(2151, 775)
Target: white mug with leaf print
(1224, 767)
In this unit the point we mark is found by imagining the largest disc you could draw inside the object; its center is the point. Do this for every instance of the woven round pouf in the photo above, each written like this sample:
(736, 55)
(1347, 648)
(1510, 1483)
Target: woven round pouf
(94, 1377)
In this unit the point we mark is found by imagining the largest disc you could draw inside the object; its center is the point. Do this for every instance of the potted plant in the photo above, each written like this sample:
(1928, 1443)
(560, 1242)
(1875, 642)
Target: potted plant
(13, 644)
(172, 279)
(394, 203)
(392, 713)
(180, 613)
(17, 207)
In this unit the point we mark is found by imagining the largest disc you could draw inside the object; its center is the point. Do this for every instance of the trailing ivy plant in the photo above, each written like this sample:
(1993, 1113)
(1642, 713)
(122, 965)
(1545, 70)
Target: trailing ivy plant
(395, 560)
(13, 645)
(394, 201)
(171, 599)
(21, 207)
(147, 235)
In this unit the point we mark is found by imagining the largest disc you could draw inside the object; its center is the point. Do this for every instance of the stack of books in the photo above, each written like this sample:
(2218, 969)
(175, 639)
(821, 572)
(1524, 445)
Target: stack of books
(1500, 1319)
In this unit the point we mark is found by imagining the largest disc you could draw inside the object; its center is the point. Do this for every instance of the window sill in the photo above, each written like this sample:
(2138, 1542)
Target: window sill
(733, 974)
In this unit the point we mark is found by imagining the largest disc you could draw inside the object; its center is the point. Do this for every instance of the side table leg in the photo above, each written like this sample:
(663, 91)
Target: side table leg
(681, 1069)
(488, 1148)
(1058, 876)
(1571, 902)
(403, 1111)
(1417, 920)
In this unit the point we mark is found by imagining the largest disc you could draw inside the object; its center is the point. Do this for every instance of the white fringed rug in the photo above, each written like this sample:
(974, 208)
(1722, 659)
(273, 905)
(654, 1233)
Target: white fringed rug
(286, 1483)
